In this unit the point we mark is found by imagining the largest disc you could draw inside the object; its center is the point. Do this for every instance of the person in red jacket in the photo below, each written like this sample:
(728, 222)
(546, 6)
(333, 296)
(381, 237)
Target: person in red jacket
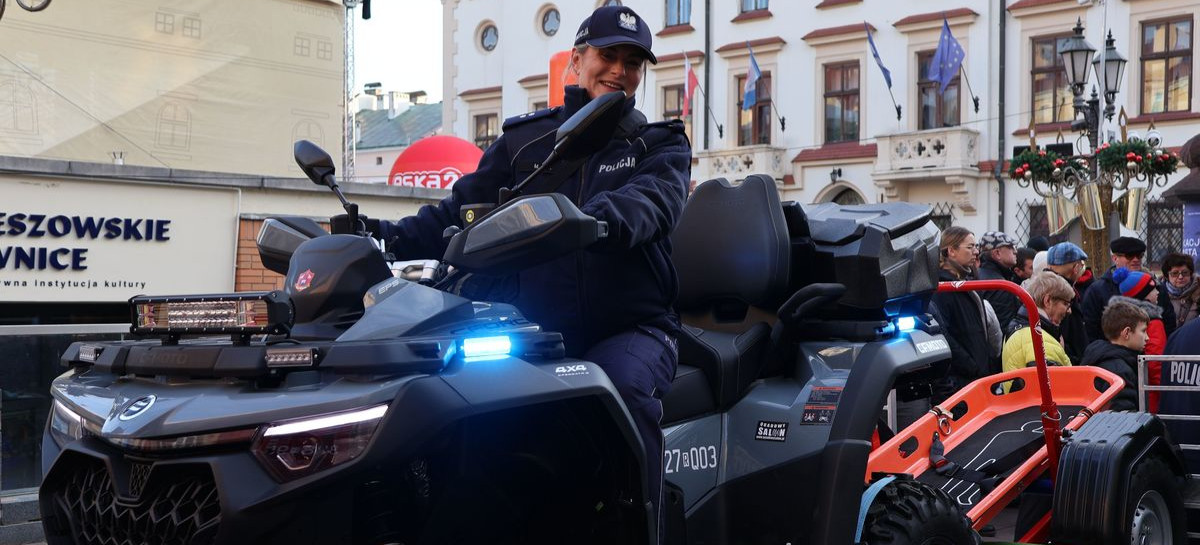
(1139, 288)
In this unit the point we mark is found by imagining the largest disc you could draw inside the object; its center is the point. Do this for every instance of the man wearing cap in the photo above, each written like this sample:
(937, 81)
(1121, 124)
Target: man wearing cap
(1127, 252)
(1067, 260)
(997, 257)
(612, 302)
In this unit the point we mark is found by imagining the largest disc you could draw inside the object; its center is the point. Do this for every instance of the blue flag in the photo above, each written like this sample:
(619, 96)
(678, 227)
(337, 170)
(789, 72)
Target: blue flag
(887, 74)
(750, 92)
(947, 59)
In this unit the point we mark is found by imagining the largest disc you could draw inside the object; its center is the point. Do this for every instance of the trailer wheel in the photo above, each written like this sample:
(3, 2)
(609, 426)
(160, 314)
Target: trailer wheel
(1154, 507)
(910, 512)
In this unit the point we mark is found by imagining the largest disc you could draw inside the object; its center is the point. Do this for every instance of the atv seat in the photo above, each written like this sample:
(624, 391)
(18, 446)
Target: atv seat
(732, 254)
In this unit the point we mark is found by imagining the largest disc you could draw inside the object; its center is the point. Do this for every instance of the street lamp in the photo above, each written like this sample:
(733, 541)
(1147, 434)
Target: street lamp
(1089, 179)
(1110, 74)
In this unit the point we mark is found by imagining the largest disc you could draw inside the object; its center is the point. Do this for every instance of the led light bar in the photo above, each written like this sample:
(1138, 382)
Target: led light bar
(89, 353)
(486, 346)
(291, 357)
(239, 313)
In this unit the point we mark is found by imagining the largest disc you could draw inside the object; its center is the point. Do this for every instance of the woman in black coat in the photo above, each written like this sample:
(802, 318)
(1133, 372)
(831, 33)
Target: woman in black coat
(961, 315)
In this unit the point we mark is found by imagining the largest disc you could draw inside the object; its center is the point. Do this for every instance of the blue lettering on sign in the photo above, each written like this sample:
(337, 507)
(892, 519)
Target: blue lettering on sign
(41, 226)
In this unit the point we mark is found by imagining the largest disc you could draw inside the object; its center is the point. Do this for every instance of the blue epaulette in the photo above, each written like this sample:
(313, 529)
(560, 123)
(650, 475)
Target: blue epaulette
(525, 118)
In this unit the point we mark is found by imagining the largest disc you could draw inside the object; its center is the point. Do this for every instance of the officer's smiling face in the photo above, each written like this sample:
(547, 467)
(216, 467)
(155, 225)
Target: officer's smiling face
(616, 68)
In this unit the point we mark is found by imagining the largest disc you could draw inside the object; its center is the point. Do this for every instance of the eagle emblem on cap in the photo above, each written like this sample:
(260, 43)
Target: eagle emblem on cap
(627, 21)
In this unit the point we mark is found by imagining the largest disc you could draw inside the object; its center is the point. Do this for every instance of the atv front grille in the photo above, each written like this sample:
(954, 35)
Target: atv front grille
(172, 508)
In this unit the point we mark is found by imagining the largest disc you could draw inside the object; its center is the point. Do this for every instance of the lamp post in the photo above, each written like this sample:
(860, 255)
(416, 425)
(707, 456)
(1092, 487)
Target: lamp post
(1093, 189)
(1083, 184)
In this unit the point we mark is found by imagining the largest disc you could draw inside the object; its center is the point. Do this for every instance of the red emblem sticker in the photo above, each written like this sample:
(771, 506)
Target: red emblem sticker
(304, 280)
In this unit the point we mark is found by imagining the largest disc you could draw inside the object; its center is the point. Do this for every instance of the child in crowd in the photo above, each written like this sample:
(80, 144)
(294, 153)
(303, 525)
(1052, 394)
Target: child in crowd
(1124, 327)
(1139, 288)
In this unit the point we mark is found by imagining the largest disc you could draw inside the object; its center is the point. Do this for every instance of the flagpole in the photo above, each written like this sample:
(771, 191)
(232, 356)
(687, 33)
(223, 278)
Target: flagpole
(974, 98)
(894, 103)
(720, 127)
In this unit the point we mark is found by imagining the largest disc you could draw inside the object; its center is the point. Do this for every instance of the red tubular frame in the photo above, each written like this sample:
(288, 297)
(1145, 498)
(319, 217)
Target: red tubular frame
(1051, 429)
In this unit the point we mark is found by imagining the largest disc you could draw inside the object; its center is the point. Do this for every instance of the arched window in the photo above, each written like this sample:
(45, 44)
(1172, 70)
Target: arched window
(17, 111)
(174, 126)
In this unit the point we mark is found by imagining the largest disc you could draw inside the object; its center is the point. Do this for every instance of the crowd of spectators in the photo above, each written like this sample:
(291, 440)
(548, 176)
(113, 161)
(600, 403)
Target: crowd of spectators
(1101, 318)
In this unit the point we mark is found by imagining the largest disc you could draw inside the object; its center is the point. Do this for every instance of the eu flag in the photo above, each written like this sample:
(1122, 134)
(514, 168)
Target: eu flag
(947, 59)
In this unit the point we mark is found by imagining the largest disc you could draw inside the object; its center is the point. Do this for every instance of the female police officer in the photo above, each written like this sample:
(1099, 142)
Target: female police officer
(612, 301)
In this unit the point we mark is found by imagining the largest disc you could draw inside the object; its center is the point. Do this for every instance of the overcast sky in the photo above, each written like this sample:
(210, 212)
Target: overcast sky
(400, 46)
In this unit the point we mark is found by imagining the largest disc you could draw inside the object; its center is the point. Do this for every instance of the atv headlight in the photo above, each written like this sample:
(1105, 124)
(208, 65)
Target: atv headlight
(66, 425)
(298, 448)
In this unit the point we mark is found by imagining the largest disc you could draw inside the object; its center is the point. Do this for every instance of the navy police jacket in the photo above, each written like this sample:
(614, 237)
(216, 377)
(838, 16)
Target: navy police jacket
(637, 183)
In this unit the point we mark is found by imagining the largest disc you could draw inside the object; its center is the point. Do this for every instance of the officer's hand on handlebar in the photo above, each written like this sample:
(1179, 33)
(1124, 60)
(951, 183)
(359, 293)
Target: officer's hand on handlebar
(340, 225)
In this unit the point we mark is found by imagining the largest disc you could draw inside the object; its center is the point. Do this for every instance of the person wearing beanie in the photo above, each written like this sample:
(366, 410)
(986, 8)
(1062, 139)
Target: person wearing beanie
(997, 257)
(1039, 243)
(1127, 253)
(1138, 288)
(1179, 273)
(1068, 260)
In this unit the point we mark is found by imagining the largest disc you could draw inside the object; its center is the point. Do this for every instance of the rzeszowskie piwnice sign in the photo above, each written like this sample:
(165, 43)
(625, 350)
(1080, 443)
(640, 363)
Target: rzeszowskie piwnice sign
(100, 241)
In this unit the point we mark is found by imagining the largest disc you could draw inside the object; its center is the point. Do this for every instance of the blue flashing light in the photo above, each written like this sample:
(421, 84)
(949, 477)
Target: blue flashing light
(906, 323)
(486, 346)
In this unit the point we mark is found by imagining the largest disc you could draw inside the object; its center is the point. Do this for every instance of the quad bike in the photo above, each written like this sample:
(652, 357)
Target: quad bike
(362, 406)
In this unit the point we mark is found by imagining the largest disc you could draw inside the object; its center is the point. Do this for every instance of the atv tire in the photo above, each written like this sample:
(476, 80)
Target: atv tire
(1154, 510)
(910, 512)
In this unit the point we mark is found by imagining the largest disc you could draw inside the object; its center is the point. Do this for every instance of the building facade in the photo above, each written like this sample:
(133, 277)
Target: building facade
(825, 121)
(141, 147)
(385, 125)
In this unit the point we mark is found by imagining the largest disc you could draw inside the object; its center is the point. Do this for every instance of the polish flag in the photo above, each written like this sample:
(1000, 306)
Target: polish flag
(692, 82)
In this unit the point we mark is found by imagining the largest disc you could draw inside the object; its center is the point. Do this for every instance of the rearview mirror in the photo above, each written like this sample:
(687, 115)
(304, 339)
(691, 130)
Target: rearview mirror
(589, 130)
(315, 162)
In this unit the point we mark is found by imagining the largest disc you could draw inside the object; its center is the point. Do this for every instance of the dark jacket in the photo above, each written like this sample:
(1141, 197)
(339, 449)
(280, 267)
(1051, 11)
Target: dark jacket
(1120, 361)
(1003, 303)
(638, 184)
(1073, 335)
(1102, 290)
(1185, 341)
(959, 314)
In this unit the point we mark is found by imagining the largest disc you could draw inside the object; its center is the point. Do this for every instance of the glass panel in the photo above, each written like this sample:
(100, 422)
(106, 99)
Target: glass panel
(924, 61)
(851, 131)
(1181, 35)
(1043, 98)
(1044, 54)
(950, 106)
(763, 89)
(852, 77)
(1154, 38)
(1153, 90)
(928, 100)
(672, 101)
(833, 120)
(1179, 82)
(833, 78)
(764, 124)
(745, 122)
